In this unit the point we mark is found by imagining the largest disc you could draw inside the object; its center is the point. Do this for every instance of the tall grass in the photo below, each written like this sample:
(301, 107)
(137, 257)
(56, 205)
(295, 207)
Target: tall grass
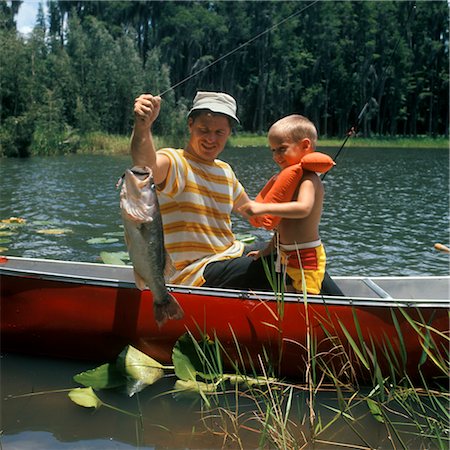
(409, 410)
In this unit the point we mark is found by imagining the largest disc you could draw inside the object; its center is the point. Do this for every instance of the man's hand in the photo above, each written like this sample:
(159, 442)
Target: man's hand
(146, 109)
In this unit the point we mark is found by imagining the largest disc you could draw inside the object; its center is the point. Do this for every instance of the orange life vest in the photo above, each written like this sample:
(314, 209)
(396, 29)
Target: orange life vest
(281, 187)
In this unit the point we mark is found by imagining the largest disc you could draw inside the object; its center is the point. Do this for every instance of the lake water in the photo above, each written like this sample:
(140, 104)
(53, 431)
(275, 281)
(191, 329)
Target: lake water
(384, 211)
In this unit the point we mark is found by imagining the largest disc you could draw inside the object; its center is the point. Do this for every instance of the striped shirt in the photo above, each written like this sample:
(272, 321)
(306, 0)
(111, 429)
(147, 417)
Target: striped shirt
(196, 202)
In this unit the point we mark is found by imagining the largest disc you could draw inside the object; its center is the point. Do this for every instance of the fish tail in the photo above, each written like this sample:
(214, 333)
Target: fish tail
(169, 309)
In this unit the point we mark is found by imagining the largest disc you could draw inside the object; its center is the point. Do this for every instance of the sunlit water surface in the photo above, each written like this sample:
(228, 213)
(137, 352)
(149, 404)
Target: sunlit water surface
(384, 211)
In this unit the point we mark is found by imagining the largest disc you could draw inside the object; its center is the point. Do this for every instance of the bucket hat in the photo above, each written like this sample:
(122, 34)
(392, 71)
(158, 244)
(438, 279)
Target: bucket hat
(217, 102)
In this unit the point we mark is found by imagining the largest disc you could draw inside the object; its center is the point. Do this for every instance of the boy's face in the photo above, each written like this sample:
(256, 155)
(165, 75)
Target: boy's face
(285, 153)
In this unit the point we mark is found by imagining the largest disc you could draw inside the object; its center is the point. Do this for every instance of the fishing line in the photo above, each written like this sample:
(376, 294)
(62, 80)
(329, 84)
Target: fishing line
(382, 78)
(239, 47)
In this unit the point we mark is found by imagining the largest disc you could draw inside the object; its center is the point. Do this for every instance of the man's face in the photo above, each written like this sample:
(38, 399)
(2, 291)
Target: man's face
(209, 134)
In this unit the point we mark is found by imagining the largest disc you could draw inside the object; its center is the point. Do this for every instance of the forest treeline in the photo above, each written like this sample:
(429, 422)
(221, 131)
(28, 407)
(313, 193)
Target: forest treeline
(85, 62)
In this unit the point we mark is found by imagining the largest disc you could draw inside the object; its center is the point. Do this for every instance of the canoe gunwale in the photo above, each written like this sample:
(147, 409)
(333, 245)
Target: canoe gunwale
(383, 300)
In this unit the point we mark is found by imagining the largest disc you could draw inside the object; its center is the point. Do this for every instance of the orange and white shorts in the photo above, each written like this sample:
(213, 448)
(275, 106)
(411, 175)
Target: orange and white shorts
(312, 261)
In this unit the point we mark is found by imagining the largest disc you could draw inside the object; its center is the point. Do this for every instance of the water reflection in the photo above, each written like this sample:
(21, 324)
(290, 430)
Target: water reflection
(45, 418)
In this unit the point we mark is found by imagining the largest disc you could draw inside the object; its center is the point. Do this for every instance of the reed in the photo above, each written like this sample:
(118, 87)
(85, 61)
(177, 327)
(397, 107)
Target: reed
(410, 411)
(350, 383)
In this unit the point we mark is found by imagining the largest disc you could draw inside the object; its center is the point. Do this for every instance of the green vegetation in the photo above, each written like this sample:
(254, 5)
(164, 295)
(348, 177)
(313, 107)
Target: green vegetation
(293, 414)
(254, 140)
(73, 80)
(102, 143)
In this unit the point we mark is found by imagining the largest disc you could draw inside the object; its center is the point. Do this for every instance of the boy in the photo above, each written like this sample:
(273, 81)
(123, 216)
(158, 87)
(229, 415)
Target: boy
(290, 139)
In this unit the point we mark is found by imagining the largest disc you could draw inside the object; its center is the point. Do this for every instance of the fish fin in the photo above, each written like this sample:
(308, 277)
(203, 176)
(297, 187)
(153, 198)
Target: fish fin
(169, 310)
(139, 281)
(169, 268)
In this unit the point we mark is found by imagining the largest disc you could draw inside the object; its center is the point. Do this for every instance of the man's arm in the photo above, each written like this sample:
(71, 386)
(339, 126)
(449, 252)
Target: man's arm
(143, 152)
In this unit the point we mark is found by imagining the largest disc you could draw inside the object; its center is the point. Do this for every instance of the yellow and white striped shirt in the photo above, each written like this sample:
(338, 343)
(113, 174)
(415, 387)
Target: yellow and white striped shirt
(196, 201)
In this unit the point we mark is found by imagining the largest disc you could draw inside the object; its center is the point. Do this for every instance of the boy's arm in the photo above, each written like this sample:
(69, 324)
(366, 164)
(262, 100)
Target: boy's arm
(143, 152)
(298, 209)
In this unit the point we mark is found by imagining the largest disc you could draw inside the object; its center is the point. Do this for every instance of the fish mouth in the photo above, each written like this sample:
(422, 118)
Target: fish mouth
(140, 171)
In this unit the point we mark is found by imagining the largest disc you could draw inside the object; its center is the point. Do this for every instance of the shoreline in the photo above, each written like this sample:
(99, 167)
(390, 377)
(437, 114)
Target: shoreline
(247, 140)
(103, 143)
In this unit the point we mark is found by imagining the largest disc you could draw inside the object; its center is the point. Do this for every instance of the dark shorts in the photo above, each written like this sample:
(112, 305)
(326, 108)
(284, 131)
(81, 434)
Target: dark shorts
(237, 273)
(247, 273)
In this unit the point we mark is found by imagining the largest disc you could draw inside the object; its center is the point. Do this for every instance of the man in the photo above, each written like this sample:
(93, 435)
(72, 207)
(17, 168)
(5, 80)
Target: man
(198, 193)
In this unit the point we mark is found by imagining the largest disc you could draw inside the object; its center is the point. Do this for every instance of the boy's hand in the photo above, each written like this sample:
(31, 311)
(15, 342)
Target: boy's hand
(146, 109)
(255, 254)
(252, 208)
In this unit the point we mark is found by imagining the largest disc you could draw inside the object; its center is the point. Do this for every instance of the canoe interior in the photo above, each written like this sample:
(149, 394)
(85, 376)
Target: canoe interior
(401, 288)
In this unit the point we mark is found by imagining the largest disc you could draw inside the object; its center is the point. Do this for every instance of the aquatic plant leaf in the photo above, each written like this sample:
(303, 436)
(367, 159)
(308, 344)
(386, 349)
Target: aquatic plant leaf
(14, 220)
(190, 359)
(6, 233)
(185, 358)
(249, 381)
(85, 397)
(102, 240)
(55, 231)
(106, 376)
(140, 369)
(5, 240)
(375, 410)
(3, 249)
(195, 387)
(245, 238)
(43, 222)
(115, 258)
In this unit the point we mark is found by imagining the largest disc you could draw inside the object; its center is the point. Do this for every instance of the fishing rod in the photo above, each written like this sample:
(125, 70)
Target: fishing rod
(354, 128)
(239, 47)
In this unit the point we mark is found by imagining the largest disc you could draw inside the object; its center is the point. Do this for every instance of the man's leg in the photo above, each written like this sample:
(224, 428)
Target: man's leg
(237, 273)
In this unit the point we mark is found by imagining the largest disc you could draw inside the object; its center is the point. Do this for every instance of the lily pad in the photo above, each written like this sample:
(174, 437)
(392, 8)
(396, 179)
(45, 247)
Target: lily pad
(102, 240)
(43, 223)
(10, 226)
(55, 231)
(190, 358)
(3, 249)
(6, 233)
(5, 240)
(106, 376)
(14, 220)
(115, 258)
(140, 369)
(85, 397)
(245, 238)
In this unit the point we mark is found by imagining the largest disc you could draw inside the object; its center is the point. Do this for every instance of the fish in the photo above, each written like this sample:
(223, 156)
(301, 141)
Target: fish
(144, 237)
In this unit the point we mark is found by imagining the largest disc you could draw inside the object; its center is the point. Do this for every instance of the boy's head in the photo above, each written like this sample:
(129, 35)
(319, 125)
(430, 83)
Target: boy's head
(295, 128)
(291, 138)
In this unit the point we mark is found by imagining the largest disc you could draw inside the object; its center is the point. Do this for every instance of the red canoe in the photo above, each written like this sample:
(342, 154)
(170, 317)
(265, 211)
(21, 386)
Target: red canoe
(92, 311)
